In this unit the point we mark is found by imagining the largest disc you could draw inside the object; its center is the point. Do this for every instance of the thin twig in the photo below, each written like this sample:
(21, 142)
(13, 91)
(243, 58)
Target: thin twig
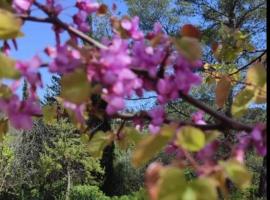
(250, 63)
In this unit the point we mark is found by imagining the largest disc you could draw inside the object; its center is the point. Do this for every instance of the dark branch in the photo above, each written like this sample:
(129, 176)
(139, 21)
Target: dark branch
(250, 63)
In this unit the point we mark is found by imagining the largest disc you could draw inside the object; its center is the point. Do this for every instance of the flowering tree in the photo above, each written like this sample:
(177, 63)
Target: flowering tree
(97, 77)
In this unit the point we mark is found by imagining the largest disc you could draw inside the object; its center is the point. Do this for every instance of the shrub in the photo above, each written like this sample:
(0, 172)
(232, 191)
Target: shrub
(87, 192)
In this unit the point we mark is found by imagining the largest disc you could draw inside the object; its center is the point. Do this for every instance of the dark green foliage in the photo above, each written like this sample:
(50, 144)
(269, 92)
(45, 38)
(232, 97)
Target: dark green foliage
(126, 178)
(52, 90)
(87, 192)
(46, 160)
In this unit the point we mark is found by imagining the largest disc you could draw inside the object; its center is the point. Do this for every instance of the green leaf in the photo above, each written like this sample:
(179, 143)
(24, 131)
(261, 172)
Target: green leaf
(211, 136)
(241, 102)
(97, 144)
(260, 95)
(201, 189)
(256, 75)
(171, 184)
(7, 67)
(49, 113)
(238, 173)
(9, 25)
(3, 128)
(5, 91)
(190, 138)
(189, 47)
(75, 87)
(129, 136)
(151, 145)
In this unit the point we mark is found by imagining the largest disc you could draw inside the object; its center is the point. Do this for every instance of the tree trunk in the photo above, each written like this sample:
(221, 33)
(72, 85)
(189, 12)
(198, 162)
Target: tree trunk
(68, 183)
(263, 180)
(108, 153)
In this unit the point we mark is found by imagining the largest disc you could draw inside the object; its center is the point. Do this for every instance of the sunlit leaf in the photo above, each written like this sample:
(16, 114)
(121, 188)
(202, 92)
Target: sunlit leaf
(5, 91)
(49, 113)
(222, 91)
(238, 173)
(201, 189)
(75, 87)
(9, 25)
(256, 76)
(97, 144)
(210, 80)
(189, 47)
(7, 68)
(241, 102)
(190, 138)
(129, 136)
(260, 95)
(211, 135)
(149, 146)
(171, 184)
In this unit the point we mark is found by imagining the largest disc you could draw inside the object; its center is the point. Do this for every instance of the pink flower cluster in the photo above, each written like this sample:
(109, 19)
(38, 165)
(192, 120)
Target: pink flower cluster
(86, 8)
(20, 112)
(118, 80)
(257, 139)
(29, 69)
(22, 6)
(65, 59)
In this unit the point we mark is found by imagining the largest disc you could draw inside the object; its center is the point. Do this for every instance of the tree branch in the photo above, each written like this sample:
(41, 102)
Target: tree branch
(226, 121)
(247, 65)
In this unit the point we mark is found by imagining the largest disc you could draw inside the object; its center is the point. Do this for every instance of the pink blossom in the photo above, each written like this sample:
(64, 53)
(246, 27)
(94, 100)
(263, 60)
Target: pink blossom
(197, 117)
(146, 57)
(80, 19)
(132, 27)
(77, 109)
(87, 6)
(258, 136)
(66, 59)
(20, 112)
(29, 69)
(166, 89)
(157, 115)
(116, 56)
(22, 6)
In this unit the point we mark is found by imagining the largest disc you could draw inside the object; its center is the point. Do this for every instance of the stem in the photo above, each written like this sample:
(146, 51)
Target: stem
(229, 122)
(251, 62)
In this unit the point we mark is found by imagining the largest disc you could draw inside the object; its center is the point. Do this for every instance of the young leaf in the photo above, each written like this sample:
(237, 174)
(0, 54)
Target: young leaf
(189, 30)
(7, 67)
(238, 173)
(201, 189)
(241, 102)
(9, 25)
(189, 47)
(260, 95)
(190, 138)
(129, 136)
(49, 113)
(171, 184)
(256, 75)
(75, 87)
(211, 136)
(5, 91)
(222, 91)
(97, 144)
(149, 146)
